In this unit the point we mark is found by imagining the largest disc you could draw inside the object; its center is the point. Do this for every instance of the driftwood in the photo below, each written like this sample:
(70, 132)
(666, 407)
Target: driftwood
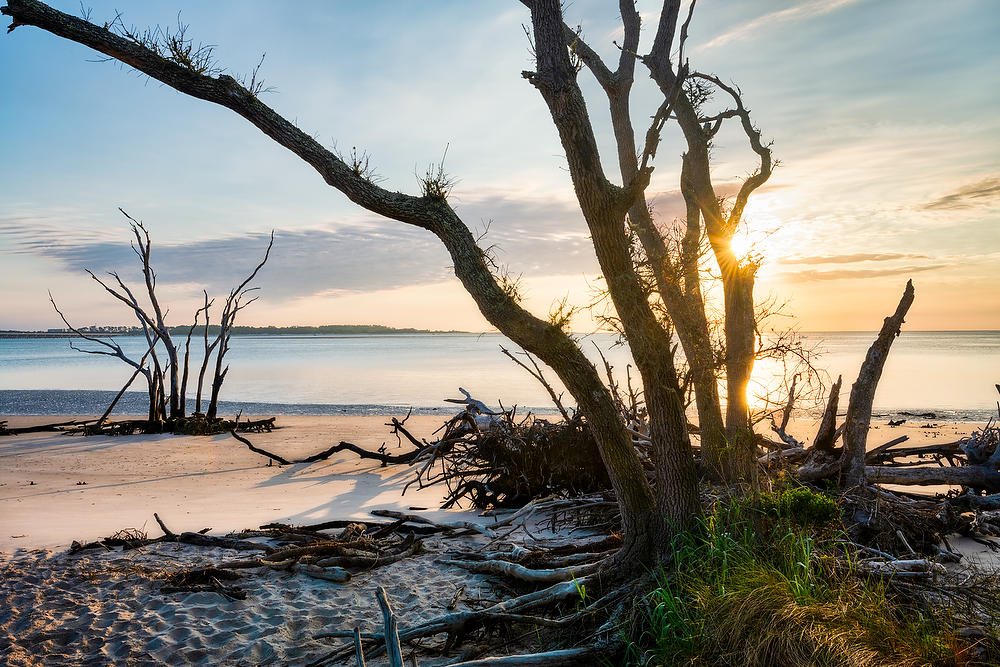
(571, 656)
(390, 631)
(978, 477)
(444, 525)
(826, 435)
(327, 453)
(522, 573)
(44, 428)
(859, 409)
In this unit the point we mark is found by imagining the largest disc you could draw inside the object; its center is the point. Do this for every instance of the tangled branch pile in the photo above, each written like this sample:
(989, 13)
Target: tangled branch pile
(512, 462)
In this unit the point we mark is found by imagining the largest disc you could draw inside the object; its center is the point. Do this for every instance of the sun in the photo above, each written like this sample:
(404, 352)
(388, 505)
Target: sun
(748, 244)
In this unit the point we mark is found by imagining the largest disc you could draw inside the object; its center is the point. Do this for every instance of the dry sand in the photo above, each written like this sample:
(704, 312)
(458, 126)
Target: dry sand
(195, 482)
(100, 608)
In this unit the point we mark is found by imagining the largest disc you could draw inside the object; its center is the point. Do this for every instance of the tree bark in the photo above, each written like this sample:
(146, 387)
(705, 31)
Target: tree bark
(684, 304)
(826, 435)
(859, 409)
(604, 207)
(737, 459)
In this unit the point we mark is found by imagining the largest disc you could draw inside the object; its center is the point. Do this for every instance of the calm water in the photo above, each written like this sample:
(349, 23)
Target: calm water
(950, 373)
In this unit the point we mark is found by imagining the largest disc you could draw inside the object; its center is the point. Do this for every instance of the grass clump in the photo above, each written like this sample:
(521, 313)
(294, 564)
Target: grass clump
(800, 506)
(761, 584)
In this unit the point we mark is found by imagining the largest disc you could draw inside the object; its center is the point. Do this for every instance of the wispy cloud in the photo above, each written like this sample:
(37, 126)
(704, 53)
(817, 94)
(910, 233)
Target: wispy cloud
(975, 194)
(811, 275)
(800, 12)
(534, 236)
(850, 259)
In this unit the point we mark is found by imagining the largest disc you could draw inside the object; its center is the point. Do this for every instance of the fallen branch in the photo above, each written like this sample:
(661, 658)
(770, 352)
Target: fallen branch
(390, 630)
(42, 428)
(522, 573)
(444, 525)
(569, 656)
(978, 477)
(322, 456)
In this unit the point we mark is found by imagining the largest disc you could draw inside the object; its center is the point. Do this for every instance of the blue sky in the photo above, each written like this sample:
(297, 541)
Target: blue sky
(882, 113)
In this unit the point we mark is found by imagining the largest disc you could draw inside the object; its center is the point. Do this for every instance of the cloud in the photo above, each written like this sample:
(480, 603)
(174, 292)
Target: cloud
(534, 236)
(799, 12)
(976, 194)
(810, 275)
(850, 259)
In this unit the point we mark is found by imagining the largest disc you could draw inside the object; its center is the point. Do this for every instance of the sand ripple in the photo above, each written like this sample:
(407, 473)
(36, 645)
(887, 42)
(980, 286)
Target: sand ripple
(105, 608)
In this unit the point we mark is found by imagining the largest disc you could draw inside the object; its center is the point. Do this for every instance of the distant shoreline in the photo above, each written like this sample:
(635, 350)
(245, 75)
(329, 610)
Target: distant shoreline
(325, 330)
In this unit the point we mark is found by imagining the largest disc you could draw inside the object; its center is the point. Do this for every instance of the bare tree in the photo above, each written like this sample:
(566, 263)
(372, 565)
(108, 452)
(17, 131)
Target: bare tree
(650, 514)
(235, 302)
(152, 323)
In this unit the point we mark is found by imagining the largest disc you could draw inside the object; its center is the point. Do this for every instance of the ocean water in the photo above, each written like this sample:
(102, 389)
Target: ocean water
(949, 373)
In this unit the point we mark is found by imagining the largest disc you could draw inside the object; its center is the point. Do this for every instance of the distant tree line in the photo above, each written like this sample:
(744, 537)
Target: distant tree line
(213, 330)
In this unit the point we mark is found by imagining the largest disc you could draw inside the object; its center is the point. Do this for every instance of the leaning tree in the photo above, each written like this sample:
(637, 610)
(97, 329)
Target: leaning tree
(628, 243)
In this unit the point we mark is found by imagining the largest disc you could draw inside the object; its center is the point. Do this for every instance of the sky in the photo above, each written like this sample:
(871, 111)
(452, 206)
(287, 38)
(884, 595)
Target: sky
(882, 114)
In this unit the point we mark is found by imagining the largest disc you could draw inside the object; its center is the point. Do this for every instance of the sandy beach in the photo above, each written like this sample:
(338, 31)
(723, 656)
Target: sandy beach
(103, 607)
(58, 488)
(100, 607)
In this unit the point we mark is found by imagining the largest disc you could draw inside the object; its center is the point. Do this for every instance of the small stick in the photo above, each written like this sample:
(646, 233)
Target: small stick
(392, 649)
(166, 531)
(359, 654)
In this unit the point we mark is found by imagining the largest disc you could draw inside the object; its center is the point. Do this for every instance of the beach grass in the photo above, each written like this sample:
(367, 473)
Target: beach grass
(761, 584)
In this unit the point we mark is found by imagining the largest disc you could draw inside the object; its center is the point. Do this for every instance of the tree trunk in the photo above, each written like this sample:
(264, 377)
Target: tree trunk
(740, 352)
(604, 208)
(859, 410)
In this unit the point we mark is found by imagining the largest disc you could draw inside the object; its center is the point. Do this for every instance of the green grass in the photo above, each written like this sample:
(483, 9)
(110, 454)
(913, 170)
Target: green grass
(759, 585)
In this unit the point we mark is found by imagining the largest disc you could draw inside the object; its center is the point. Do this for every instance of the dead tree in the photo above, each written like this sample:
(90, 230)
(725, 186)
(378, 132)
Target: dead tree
(187, 355)
(206, 356)
(235, 302)
(112, 349)
(650, 516)
(167, 406)
(859, 409)
(972, 463)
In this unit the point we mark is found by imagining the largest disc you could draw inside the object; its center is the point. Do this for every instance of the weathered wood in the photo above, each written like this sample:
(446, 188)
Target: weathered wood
(446, 525)
(42, 428)
(280, 460)
(221, 542)
(522, 573)
(390, 630)
(859, 409)
(969, 501)
(329, 573)
(973, 476)
(359, 653)
(826, 434)
(325, 454)
(570, 656)
(881, 451)
(791, 455)
(166, 531)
